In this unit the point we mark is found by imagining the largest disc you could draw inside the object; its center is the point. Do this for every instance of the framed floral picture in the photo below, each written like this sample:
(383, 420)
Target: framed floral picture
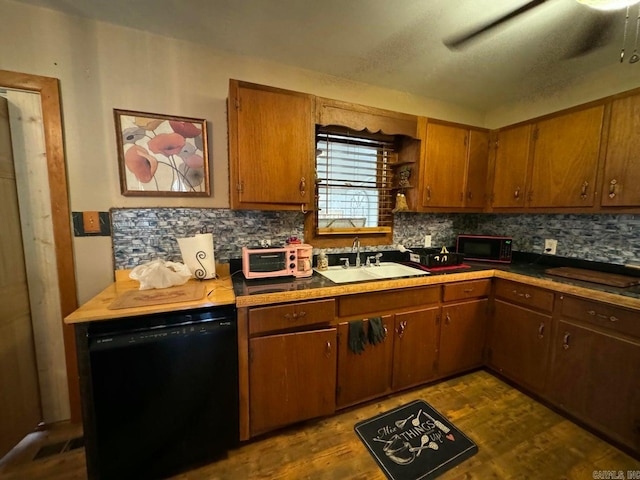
(162, 155)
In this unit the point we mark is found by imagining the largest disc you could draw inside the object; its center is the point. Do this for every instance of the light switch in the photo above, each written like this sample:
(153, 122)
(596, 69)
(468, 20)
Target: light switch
(91, 222)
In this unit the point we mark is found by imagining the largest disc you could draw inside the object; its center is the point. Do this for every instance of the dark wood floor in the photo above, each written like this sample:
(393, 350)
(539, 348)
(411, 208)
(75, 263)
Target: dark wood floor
(517, 438)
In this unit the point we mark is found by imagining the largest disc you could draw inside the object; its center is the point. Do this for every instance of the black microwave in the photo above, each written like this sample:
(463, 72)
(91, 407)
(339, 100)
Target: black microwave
(485, 248)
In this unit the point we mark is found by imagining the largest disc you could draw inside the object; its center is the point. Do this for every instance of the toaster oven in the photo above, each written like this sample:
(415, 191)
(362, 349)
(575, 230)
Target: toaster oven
(292, 260)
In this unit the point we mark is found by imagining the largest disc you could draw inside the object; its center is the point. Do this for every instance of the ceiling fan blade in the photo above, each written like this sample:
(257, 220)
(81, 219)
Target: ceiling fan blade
(597, 33)
(460, 41)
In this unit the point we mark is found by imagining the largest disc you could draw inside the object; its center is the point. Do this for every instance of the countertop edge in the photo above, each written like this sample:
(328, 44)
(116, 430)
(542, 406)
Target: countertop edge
(353, 288)
(218, 292)
(221, 293)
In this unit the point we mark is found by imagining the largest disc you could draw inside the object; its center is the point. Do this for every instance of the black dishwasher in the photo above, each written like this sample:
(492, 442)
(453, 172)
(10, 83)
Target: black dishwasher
(164, 393)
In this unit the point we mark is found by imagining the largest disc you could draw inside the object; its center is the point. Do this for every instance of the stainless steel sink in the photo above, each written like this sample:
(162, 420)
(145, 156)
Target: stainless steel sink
(385, 270)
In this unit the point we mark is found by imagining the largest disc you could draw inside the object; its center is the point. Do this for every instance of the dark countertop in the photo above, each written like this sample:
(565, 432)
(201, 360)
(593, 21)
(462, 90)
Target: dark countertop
(525, 268)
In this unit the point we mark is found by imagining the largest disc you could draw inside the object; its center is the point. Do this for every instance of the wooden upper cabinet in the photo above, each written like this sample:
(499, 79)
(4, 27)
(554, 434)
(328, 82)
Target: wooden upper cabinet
(565, 159)
(511, 164)
(621, 179)
(476, 188)
(271, 147)
(445, 161)
(360, 117)
(455, 166)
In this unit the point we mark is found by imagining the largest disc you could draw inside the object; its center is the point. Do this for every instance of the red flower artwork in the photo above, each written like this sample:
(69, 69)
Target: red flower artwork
(161, 154)
(186, 129)
(167, 143)
(141, 163)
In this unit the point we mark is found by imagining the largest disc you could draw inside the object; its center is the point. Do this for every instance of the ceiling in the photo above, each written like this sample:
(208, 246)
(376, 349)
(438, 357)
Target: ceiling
(395, 44)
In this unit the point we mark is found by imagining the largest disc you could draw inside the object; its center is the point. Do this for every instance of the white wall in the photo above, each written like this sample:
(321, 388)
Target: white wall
(102, 67)
(602, 83)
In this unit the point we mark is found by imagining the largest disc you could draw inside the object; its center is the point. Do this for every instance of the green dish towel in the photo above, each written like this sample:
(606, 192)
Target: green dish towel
(357, 337)
(376, 330)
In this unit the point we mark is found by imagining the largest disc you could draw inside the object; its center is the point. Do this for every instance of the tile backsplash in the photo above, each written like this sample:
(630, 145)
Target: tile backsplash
(143, 234)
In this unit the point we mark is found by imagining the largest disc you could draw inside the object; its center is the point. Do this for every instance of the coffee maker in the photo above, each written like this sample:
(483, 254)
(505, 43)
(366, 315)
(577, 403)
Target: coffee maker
(305, 260)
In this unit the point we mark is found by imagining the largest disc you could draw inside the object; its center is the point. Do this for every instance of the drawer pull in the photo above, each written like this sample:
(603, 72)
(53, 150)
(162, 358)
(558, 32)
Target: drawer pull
(447, 319)
(328, 350)
(468, 290)
(541, 330)
(525, 295)
(295, 315)
(565, 340)
(611, 318)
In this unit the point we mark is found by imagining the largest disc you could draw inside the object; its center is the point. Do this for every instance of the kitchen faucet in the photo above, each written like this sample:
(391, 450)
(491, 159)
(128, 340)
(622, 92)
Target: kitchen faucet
(356, 246)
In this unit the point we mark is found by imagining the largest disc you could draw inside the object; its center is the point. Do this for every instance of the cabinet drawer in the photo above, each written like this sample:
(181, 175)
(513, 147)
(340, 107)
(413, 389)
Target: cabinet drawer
(386, 301)
(464, 290)
(602, 314)
(526, 295)
(292, 315)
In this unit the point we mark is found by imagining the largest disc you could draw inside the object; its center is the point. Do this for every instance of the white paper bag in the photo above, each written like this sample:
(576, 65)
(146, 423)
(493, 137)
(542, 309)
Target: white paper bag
(197, 254)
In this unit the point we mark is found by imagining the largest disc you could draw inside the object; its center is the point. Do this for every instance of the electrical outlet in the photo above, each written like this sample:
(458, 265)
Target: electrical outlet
(550, 246)
(427, 241)
(264, 243)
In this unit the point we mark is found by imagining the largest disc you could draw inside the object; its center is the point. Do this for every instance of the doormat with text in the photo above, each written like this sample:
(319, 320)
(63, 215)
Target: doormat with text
(414, 441)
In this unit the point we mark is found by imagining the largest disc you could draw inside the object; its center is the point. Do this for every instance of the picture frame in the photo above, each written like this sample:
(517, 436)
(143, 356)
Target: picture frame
(162, 155)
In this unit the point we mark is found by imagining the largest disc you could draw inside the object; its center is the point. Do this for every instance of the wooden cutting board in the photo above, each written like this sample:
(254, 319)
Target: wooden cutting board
(144, 298)
(611, 279)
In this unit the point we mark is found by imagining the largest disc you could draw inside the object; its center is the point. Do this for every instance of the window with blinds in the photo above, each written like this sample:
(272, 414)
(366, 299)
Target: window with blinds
(353, 181)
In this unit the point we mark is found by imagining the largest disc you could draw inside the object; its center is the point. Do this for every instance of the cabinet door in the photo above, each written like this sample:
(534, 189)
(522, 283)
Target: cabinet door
(415, 347)
(613, 400)
(462, 336)
(621, 181)
(292, 377)
(511, 167)
(476, 194)
(445, 166)
(519, 344)
(569, 378)
(271, 147)
(566, 151)
(365, 375)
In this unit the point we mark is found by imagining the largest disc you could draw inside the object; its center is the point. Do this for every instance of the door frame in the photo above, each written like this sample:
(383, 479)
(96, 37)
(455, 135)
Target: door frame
(49, 91)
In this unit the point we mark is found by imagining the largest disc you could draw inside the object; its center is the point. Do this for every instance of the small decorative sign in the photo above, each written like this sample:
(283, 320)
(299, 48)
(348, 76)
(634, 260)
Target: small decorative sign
(162, 155)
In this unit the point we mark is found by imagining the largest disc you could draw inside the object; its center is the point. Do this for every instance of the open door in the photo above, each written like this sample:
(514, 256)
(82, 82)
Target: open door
(20, 410)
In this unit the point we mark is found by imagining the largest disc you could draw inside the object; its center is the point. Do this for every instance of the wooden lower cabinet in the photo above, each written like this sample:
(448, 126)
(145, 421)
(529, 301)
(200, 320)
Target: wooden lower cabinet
(462, 336)
(594, 371)
(292, 377)
(568, 382)
(519, 344)
(613, 400)
(415, 347)
(365, 375)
